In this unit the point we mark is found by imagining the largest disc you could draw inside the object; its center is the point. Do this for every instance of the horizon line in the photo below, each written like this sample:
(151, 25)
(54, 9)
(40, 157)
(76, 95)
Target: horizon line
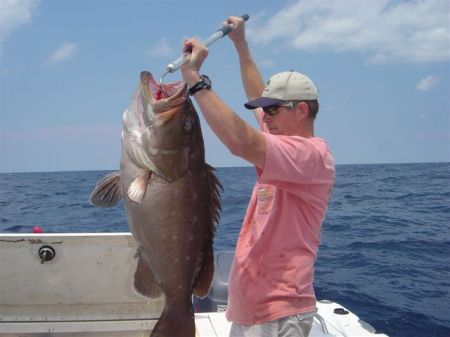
(218, 167)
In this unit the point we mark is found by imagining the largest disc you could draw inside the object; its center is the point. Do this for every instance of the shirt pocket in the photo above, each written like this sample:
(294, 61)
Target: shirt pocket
(265, 198)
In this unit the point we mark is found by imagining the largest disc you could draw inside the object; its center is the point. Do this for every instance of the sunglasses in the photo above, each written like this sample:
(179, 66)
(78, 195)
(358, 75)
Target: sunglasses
(272, 110)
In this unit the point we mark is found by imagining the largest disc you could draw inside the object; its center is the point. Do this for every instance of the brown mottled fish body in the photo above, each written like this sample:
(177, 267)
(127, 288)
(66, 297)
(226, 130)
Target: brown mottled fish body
(171, 201)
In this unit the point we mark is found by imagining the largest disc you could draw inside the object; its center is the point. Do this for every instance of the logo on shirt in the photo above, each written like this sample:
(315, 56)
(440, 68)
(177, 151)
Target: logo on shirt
(265, 198)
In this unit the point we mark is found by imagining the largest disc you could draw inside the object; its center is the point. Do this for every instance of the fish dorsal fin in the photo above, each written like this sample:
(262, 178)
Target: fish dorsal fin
(136, 191)
(214, 186)
(107, 192)
(205, 275)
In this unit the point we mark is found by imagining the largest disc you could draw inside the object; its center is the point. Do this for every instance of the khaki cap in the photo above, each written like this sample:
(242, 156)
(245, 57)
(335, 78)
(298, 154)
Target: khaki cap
(285, 86)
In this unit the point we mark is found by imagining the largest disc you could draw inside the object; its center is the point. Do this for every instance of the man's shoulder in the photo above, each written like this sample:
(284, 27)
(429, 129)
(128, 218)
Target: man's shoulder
(298, 160)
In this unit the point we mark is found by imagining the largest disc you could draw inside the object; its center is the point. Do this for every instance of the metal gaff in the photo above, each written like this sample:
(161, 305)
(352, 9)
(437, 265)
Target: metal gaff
(175, 65)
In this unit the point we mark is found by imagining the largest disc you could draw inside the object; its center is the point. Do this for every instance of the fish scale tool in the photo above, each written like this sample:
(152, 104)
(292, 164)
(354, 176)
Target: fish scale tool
(175, 65)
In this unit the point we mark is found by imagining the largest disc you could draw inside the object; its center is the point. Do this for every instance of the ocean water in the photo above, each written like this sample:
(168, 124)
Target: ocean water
(385, 251)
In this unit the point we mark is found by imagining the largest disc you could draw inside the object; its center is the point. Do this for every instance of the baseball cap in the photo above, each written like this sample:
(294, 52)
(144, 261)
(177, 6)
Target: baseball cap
(285, 86)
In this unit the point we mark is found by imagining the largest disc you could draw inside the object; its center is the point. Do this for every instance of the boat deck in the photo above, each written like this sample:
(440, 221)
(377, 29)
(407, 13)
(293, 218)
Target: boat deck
(212, 324)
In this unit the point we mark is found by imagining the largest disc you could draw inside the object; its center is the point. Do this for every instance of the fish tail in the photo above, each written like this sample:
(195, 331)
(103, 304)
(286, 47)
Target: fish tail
(174, 324)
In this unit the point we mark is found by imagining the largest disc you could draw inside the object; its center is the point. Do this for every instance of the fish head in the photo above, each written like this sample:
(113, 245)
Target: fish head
(166, 126)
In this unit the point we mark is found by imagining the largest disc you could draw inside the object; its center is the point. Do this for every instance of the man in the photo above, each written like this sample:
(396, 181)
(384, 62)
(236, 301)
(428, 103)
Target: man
(271, 282)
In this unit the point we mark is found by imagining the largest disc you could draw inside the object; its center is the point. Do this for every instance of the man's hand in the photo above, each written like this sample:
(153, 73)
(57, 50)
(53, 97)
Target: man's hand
(196, 55)
(237, 35)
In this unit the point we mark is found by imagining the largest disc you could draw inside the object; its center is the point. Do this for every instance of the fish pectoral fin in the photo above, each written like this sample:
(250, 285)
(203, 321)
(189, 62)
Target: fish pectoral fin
(136, 191)
(144, 280)
(107, 192)
(205, 275)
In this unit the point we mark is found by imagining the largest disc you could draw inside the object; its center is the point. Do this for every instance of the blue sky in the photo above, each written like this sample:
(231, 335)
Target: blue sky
(68, 70)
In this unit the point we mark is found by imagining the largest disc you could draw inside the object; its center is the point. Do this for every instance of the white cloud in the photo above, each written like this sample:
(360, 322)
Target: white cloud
(427, 83)
(386, 30)
(15, 13)
(161, 49)
(63, 52)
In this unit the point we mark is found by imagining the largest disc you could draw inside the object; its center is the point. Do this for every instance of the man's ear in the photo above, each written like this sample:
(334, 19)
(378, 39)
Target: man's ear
(303, 110)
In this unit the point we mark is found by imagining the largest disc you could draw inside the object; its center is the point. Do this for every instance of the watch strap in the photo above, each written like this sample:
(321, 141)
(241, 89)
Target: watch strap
(203, 83)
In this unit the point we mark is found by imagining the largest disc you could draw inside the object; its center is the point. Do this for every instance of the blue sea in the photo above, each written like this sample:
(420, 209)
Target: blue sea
(385, 251)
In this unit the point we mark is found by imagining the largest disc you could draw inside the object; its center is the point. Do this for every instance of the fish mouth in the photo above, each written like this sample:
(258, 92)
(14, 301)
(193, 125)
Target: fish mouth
(158, 91)
(166, 100)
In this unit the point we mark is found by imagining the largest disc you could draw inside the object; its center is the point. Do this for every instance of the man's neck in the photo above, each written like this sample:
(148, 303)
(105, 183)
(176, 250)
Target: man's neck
(306, 130)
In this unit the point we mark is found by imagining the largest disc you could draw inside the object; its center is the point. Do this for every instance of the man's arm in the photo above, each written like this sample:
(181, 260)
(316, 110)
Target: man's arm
(239, 137)
(251, 77)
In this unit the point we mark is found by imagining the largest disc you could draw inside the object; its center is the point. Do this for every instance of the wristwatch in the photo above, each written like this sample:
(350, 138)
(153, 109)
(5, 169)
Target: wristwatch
(204, 83)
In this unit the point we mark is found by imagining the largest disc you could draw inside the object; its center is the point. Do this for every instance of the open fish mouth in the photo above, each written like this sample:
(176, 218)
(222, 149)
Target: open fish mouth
(159, 91)
(163, 102)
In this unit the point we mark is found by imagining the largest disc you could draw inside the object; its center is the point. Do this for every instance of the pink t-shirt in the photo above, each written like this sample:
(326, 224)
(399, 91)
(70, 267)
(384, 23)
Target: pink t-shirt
(273, 270)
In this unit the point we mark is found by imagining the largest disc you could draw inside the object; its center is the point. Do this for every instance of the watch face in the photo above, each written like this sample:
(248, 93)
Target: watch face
(206, 80)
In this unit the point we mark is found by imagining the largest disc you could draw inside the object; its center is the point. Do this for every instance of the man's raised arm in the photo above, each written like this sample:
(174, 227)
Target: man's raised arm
(251, 77)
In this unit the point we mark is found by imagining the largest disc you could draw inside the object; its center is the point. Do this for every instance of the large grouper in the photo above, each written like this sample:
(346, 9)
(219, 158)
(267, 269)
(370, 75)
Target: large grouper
(171, 198)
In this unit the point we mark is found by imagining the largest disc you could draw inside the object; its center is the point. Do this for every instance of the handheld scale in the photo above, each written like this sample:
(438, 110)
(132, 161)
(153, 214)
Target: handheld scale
(175, 65)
